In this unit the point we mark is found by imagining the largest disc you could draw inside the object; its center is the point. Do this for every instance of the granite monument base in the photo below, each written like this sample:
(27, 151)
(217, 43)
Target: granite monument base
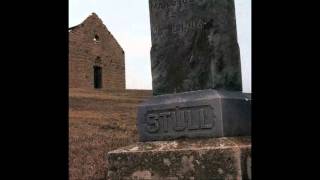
(195, 114)
(213, 158)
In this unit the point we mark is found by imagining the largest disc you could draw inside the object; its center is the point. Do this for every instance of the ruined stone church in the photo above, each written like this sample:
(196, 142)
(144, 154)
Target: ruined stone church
(96, 60)
(101, 109)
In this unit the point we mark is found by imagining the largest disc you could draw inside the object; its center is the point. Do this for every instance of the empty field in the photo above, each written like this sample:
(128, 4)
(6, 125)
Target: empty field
(99, 121)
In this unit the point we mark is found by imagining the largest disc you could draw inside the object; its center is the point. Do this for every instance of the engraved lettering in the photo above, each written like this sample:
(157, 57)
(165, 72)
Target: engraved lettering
(203, 124)
(170, 3)
(164, 117)
(181, 119)
(187, 26)
(193, 124)
(178, 28)
(179, 124)
(153, 123)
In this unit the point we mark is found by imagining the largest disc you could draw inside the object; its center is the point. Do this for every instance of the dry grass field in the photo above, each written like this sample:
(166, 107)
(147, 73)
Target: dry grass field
(99, 122)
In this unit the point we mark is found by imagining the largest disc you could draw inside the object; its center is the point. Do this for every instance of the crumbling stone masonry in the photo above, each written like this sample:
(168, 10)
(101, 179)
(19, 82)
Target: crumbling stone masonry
(96, 60)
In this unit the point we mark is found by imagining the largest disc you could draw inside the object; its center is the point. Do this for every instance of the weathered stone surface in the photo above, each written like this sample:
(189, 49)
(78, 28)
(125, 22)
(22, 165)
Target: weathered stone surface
(205, 113)
(245, 155)
(87, 52)
(213, 159)
(194, 46)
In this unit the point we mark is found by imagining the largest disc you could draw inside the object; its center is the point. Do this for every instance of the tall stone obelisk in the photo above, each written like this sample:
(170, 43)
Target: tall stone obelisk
(194, 46)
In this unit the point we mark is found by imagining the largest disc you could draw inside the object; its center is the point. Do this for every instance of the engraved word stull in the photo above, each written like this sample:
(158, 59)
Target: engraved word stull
(180, 120)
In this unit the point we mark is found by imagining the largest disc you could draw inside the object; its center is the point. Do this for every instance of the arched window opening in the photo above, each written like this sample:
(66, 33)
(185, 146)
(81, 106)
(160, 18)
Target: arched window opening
(96, 38)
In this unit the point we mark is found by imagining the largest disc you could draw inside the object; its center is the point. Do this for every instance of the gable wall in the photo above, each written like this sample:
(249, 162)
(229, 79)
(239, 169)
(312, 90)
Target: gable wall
(83, 52)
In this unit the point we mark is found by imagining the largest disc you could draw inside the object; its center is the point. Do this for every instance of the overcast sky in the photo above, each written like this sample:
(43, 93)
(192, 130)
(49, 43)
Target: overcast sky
(128, 21)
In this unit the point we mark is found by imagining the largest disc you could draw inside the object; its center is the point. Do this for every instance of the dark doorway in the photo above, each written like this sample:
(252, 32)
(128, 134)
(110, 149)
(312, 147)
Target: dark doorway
(97, 77)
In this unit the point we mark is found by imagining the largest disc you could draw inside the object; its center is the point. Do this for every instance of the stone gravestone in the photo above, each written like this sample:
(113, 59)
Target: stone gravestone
(194, 46)
(196, 72)
(197, 86)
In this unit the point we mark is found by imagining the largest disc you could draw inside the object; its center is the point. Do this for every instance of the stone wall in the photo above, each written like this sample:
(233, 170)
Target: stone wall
(91, 44)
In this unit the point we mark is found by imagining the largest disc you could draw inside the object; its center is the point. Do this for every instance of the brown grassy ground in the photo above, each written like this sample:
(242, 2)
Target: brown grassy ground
(99, 122)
